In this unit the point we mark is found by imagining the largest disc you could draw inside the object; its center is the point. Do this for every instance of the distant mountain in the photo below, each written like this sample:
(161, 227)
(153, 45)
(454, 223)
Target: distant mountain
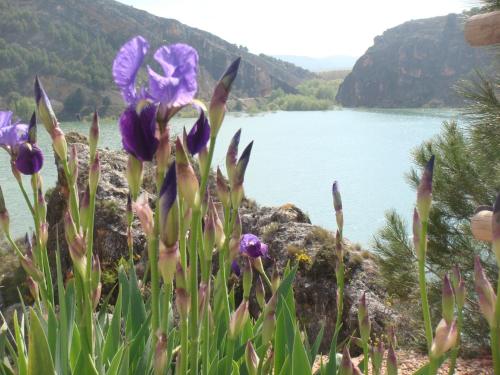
(415, 64)
(320, 64)
(71, 44)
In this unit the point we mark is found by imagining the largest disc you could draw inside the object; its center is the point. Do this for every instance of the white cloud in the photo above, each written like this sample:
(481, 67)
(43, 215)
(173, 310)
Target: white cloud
(307, 28)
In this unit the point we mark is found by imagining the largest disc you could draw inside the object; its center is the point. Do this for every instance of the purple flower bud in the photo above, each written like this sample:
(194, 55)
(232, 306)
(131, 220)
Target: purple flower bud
(160, 360)
(187, 180)
(30, 268)
(251, 359)
(269, 323)
(138, 130)
(198, 135)
(222, 189)
(495, 227)
(59, 143)
(183, 302)
(238, 320)
(95, 173)
(250, 245)
(33, 288)
(337, 205)
(73, 162)
(145, 214)
(76, 245)
(221, 94)
(232, 155)
(134, 175)
(29, 159)
(447, 300)
(260, 292)
(363, 319)
(445, 338)
(44, 109)
(84, 205)
(94, 135)
(485, 293)
(392, 362)
(167, 261)
(169, 221)
(346, 365)
(235, 267)
(424, 191)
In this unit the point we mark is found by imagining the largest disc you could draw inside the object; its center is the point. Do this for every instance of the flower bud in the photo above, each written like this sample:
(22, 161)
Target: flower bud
(203, 294)
(424, 191)
(84, 205)
(42, 205)
(96, 295)
(260, 292)
(167, 261)
(94, 136)
(76, 245)
(160, 360)
(186, 178)
(238, 320)
(208, 236)
(417, 226)
(183, 302)
(275, 278)
(203, 158)
(4, 215)
(145, 214)
(44, 108)
(445, 338)
(169, 210)
(44, 234)
(481, 223)
(247, 278)
(134, 176)
(30, 268)
(392, 362)
(217, 108)
(222, 189)
(96, 271)
(59, 144)
(346, 365)
(485, 293)
(257, 265)
(363, 319)
(232, 155)
(251, 359)
(337, 205)
(199, 135)
(458, 287)
(391, 337)
(339, 248)
(495, 228)
(94, 173)
(238, 177)
(269, 322)
(33, 287)
(447, 300)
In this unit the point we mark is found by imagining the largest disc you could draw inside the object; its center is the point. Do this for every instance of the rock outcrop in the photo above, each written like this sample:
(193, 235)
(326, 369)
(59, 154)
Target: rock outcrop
(286, 229)
(416, 64)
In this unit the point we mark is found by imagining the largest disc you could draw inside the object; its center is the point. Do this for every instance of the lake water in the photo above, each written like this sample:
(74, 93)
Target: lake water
(295, 158)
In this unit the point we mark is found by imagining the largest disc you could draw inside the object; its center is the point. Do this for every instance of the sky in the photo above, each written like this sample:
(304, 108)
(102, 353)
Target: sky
(315, 28)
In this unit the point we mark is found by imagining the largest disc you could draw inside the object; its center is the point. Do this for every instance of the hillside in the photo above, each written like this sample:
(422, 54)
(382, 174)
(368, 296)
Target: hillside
(71, 44)
(415, 64)
(321, 64)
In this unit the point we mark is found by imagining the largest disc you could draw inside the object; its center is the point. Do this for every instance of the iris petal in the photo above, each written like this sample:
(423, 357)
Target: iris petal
(29, 159)
(11, 134)
(139, 132)
(126, 65)
(198, 135)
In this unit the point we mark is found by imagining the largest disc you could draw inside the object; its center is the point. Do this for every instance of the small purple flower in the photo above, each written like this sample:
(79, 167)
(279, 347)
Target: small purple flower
(198, 135)
(251, 246)
(29, 156)
(169, 226)
(11, 133)
(139, 132)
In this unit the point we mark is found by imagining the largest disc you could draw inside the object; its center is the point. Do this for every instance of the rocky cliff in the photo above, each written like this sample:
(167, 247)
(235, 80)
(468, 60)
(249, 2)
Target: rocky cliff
(415, 64)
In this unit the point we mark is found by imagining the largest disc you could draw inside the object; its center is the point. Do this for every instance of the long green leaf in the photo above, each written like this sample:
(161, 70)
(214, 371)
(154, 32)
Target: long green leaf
(22, 363)
(317, 343)
(39, 357)
(300, 362)
(112, 339)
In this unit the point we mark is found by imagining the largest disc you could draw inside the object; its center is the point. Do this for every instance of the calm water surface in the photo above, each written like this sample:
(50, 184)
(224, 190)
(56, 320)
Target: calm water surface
(295, 158)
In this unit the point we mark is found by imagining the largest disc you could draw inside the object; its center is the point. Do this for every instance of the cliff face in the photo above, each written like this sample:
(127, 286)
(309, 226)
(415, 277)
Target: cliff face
(72, 43)
(415, 64)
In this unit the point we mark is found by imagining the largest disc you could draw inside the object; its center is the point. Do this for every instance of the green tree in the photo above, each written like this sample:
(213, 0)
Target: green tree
(74, 103)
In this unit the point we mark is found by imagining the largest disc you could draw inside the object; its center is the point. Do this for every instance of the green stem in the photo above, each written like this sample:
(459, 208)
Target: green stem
(153, 264)
(433, 366)
(229, 355)
(456, 349)
(26, 198)
(423, 286)
(495, 334)
(73, 196)
(90, 235)
(184, 347)
(193, 289)
(366, 358)
(166, 307)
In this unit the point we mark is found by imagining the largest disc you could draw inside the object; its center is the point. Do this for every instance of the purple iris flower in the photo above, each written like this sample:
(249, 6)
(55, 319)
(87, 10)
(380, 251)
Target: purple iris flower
(139, 132)
(253, 247)
(176, 88)
(11, 133)
(29, 156)
(198, 135)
